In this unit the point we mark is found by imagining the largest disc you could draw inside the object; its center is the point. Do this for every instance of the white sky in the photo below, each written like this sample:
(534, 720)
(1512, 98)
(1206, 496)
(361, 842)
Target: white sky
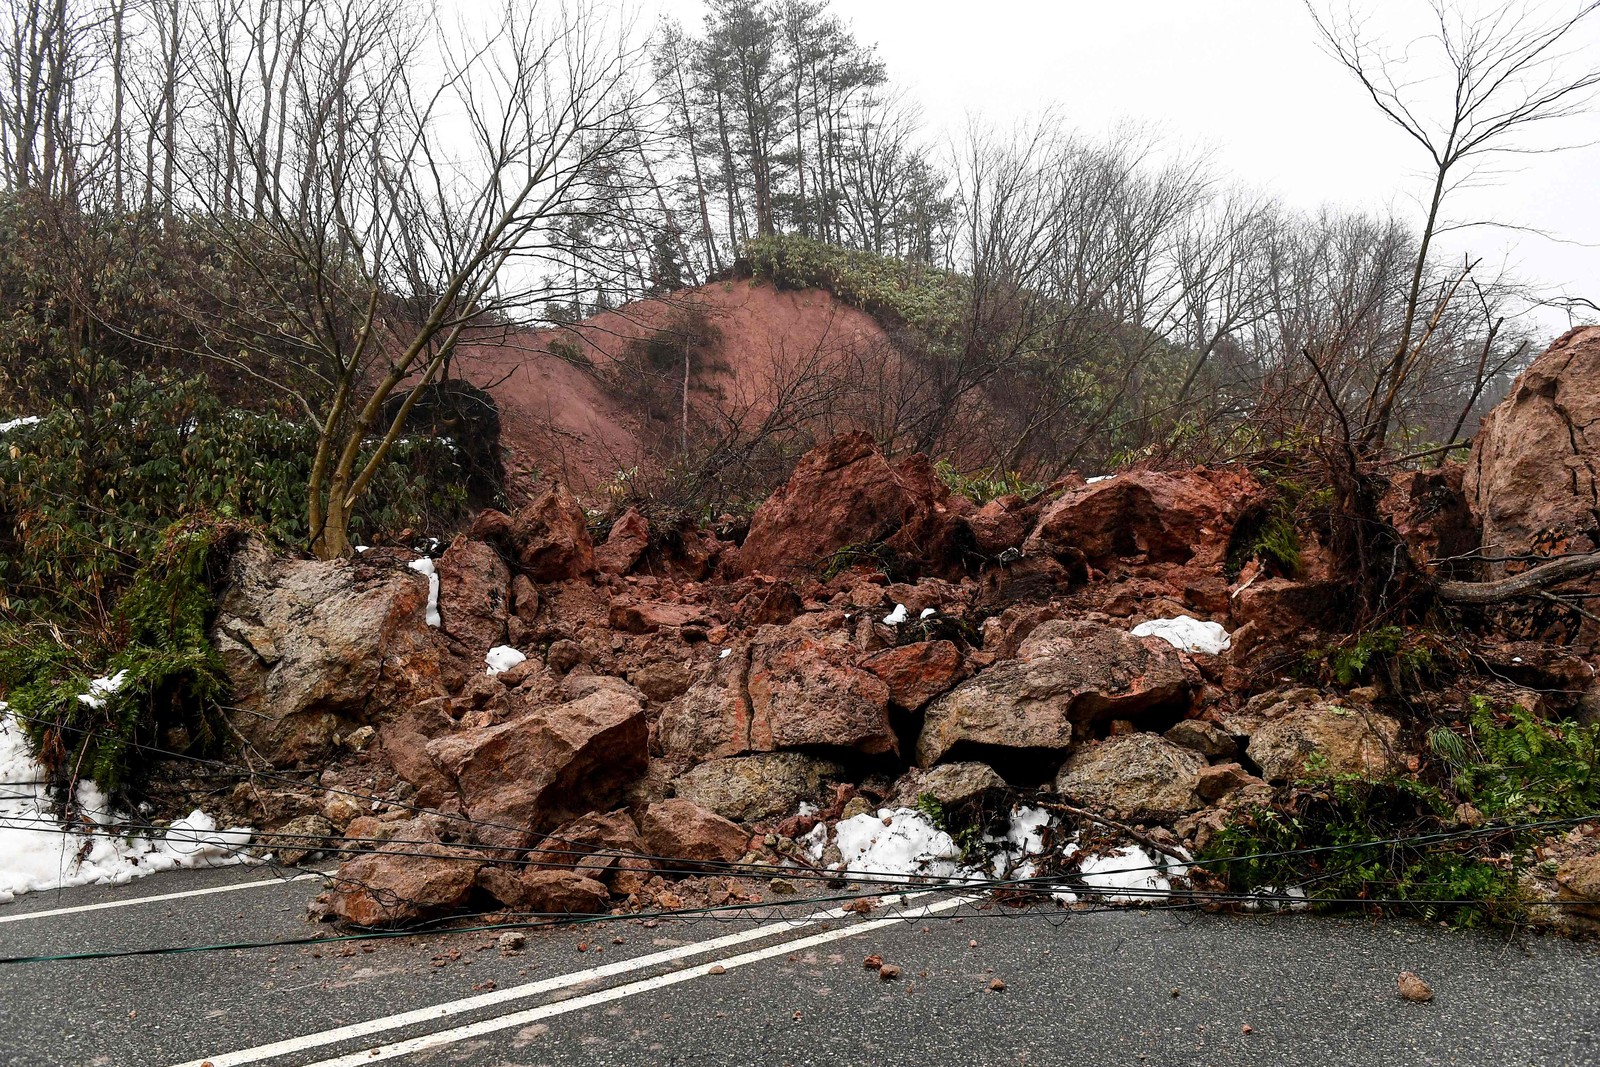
(1246, 79)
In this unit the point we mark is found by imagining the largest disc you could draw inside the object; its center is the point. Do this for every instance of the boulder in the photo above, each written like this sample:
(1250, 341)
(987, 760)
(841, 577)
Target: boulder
(766, 785)
(1137, 776)
(1066, 675)
(1534, 472)
(1208, 739)
(1578, 884)
(549, 537)
(1430, 511)
(415, 878)
(524, 775)
(1155, 516)
(592, 845)
(313, 648)
(543, 892)
(684, 831)
(625, 544)
(474, 595)
(951, 784)
(845, 493)
(635, 616)
(1222, 780)
(1324, 740)
(786, 689)
(917, 673)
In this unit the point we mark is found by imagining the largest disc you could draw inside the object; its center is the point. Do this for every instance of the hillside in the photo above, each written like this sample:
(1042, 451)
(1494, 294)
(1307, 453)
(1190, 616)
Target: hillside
(584, 401)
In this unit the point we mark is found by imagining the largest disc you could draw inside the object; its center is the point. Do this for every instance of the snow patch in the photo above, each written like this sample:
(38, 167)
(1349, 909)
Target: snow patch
(1127, 876)
(1098, 478)
(101, 688)
(1187, 634)
(38, 851)
(425, 566)
(897, 616)
(927, 613)
(502, 658)
(26, 420)
(896, 843)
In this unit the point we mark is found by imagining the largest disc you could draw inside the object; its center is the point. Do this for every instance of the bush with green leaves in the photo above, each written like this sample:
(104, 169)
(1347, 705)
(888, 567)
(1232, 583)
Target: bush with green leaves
(1514, 768)
(980, 487)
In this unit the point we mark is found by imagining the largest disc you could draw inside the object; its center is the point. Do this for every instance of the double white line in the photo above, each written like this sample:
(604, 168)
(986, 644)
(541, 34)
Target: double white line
(440, 1038)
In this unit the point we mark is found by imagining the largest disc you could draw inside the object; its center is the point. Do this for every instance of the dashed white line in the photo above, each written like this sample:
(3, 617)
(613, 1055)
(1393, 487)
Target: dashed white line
(231, 888)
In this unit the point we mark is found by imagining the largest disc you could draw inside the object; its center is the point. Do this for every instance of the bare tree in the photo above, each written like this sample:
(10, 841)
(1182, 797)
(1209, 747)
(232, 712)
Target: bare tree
(1500, 73)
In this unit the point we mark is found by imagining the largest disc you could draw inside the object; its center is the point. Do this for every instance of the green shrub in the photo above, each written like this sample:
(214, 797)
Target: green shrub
(172, 682)
(980, 487)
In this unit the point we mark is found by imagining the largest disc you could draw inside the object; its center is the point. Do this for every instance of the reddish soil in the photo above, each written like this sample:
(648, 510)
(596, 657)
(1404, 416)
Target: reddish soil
(574, 417)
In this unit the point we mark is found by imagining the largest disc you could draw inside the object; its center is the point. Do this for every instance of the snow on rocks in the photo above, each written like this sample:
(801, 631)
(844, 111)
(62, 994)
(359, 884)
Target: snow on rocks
(425, 566)
(897, 616)
(1187, 634)
(896, 843)
(39, 851)
(12, 424)
(502, 658)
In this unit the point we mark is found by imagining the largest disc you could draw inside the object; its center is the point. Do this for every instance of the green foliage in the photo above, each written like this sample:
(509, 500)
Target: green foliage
(1384, 651)
(1463, 881)
(1513, 767)
(931, 301)
(964, 827)
(86, 495)
(1512, 764)
(171, 681)
(980, 487)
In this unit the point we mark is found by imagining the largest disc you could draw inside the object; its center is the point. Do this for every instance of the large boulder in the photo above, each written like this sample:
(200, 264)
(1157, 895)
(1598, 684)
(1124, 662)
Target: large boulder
(1066, 675)
(474, 595)
(524, 775)
(685, 832)
(1137, 776)
(1534, 473)
(845, 493)
(1311, 740)
(396, 884)
(549, 537)
(787, 689)
(533, 891)
(625, 544)
(314, 647)
(766, 785)
(1173, 517)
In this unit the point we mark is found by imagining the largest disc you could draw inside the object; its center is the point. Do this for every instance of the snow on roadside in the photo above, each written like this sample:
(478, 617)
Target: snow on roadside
(896, 843)
(1187, 634)
(37, 851)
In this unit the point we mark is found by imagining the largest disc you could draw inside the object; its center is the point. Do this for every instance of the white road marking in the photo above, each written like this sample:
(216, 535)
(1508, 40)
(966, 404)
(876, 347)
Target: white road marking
(233, 888)
(442, 1038)
(519, 992)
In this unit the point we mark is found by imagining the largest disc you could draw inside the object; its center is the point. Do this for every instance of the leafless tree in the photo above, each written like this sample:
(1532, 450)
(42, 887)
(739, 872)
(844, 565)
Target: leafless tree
(1471, 88)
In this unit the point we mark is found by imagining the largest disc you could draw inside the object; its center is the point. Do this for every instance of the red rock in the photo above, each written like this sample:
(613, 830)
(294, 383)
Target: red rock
(685, 831)
(787, 689)
(522, 775)
(625, 544)
(394, 886)
(474, 594)
(544, 892)
(407, 752)
(1220, 780)
(1429, 510)
(1174, 517)
(1003, 523)
(550, 537)
(917, 673)
(647, 616)
(593, 844)
(845, 493)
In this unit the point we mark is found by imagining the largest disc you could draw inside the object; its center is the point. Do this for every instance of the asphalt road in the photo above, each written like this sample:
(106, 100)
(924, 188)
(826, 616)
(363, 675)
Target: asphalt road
(1126, 987)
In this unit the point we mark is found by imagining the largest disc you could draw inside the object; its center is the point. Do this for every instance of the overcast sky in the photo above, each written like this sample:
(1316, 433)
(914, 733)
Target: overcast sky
(1246, 79)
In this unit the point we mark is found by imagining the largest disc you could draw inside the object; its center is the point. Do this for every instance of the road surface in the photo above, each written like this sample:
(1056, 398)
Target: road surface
(1125, 987)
